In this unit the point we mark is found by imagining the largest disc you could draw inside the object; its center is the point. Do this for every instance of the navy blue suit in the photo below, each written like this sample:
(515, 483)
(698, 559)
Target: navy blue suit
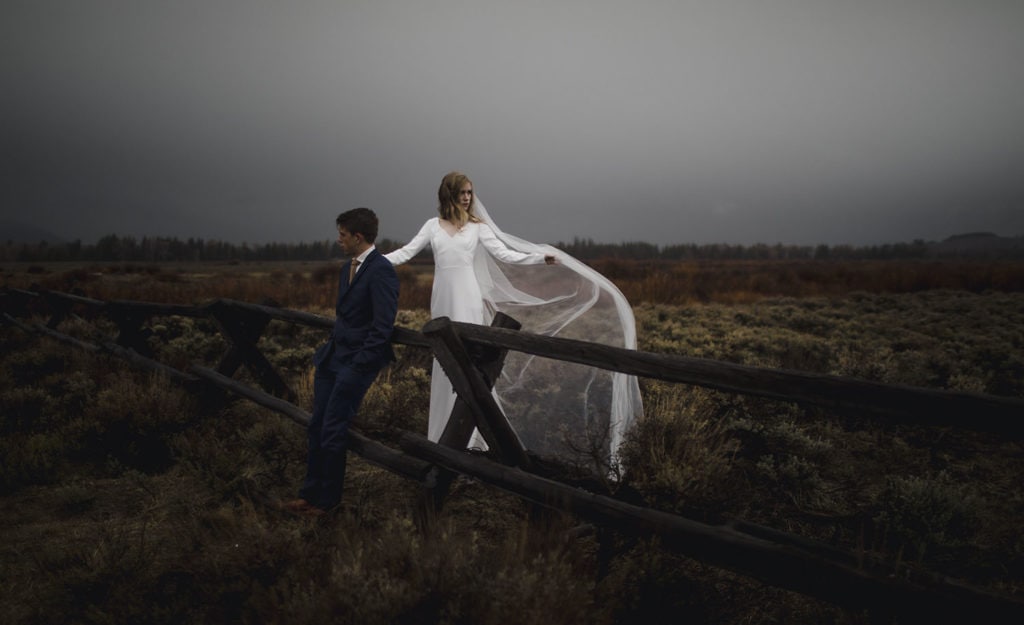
(358, 348)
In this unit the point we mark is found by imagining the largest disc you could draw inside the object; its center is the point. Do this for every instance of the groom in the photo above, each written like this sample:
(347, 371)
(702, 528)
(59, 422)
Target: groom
(358, 348)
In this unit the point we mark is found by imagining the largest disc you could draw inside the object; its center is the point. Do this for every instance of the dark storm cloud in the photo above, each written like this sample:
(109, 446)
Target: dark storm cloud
(788, 121)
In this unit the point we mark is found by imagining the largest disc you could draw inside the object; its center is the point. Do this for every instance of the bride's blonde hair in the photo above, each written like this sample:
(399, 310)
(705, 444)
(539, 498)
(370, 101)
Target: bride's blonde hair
(448, 200)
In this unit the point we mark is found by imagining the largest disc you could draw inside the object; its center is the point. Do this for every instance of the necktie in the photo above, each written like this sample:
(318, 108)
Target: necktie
(352, 271)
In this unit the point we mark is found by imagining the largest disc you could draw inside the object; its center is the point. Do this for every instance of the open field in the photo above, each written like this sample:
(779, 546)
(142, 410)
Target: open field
(306, 284)
(127, 500)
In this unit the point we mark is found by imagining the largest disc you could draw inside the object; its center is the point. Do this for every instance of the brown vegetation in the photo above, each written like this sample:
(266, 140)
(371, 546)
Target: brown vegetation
(127, 500)
(311, 285)
(745, 281)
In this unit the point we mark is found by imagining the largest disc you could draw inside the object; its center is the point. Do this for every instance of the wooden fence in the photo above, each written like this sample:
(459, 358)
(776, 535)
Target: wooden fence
(472, 356)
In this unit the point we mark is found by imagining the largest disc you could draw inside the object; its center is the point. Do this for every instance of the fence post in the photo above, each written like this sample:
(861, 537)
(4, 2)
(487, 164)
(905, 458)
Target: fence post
(459, 429)
(129, 325)
(475, 391)
(489, 360)
(16, 302)
(243, 328)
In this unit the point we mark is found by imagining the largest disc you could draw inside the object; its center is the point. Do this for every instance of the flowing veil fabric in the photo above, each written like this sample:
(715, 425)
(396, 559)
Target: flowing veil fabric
(566, 410)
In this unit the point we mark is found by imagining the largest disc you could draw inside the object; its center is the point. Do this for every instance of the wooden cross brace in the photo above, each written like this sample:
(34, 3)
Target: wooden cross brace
(475, 405)
(243, 328)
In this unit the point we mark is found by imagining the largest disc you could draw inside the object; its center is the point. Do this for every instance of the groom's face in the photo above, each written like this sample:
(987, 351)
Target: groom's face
(349, 242)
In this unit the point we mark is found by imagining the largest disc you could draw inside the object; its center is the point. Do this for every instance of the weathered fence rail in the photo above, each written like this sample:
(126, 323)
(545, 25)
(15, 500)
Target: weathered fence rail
(908, 404)
(774, 557)
(786, 562)
(369, 449)
(898, 403)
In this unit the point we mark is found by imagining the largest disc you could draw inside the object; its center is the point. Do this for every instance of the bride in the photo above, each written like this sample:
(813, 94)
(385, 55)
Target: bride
(572, 412)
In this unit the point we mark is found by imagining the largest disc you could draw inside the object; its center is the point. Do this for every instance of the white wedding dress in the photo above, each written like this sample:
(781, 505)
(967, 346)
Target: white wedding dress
(572, 412)
(455, 294)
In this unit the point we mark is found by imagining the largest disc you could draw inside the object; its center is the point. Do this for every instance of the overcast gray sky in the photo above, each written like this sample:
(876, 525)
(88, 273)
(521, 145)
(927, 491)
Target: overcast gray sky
(773, 121)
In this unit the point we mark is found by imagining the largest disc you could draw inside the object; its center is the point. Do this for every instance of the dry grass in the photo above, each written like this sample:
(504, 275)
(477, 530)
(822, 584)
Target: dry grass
(311, 285)
(126, 500)
(304, 285)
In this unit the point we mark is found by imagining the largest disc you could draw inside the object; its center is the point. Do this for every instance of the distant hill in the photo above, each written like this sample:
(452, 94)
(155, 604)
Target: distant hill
(17, 232)
(984, 244)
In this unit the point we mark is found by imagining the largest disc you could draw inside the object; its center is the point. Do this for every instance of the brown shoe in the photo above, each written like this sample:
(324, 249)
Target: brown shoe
(296, 505)
(312, 512)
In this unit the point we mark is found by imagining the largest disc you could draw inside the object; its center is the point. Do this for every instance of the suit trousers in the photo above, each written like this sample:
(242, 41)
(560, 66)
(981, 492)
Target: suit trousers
(336, 398)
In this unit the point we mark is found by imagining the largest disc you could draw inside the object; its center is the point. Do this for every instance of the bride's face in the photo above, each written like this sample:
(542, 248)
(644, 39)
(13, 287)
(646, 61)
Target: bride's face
(466, 196)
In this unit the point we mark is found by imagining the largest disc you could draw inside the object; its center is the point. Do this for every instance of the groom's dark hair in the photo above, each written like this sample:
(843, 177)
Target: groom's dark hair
(359, 221)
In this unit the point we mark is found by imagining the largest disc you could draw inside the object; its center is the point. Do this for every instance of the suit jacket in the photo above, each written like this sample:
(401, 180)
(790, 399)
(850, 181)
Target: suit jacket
(365, 317)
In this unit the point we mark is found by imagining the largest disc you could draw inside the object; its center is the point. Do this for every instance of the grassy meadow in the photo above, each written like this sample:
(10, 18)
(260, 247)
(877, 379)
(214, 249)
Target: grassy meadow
(128, 500)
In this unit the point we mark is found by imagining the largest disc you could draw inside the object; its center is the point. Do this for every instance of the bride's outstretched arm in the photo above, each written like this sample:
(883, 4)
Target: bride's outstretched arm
(412, 248)
(504, 253)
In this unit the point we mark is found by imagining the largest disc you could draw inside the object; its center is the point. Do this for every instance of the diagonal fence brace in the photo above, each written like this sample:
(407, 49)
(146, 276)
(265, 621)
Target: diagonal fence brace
(471, 387)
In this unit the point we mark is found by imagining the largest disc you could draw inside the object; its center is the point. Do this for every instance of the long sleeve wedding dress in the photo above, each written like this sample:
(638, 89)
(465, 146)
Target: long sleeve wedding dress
(573, 412)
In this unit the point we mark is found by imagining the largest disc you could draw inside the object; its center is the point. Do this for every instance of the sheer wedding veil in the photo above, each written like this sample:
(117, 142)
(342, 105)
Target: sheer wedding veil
(570, 411)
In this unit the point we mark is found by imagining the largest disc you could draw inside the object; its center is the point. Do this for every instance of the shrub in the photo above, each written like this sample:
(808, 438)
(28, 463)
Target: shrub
(680, 453)
(926, 516)
(129, 419)
(198, 539)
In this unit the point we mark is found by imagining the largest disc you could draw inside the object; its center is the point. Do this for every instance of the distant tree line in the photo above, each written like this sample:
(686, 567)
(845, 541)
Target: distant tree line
(588, 249)
(114, 248)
